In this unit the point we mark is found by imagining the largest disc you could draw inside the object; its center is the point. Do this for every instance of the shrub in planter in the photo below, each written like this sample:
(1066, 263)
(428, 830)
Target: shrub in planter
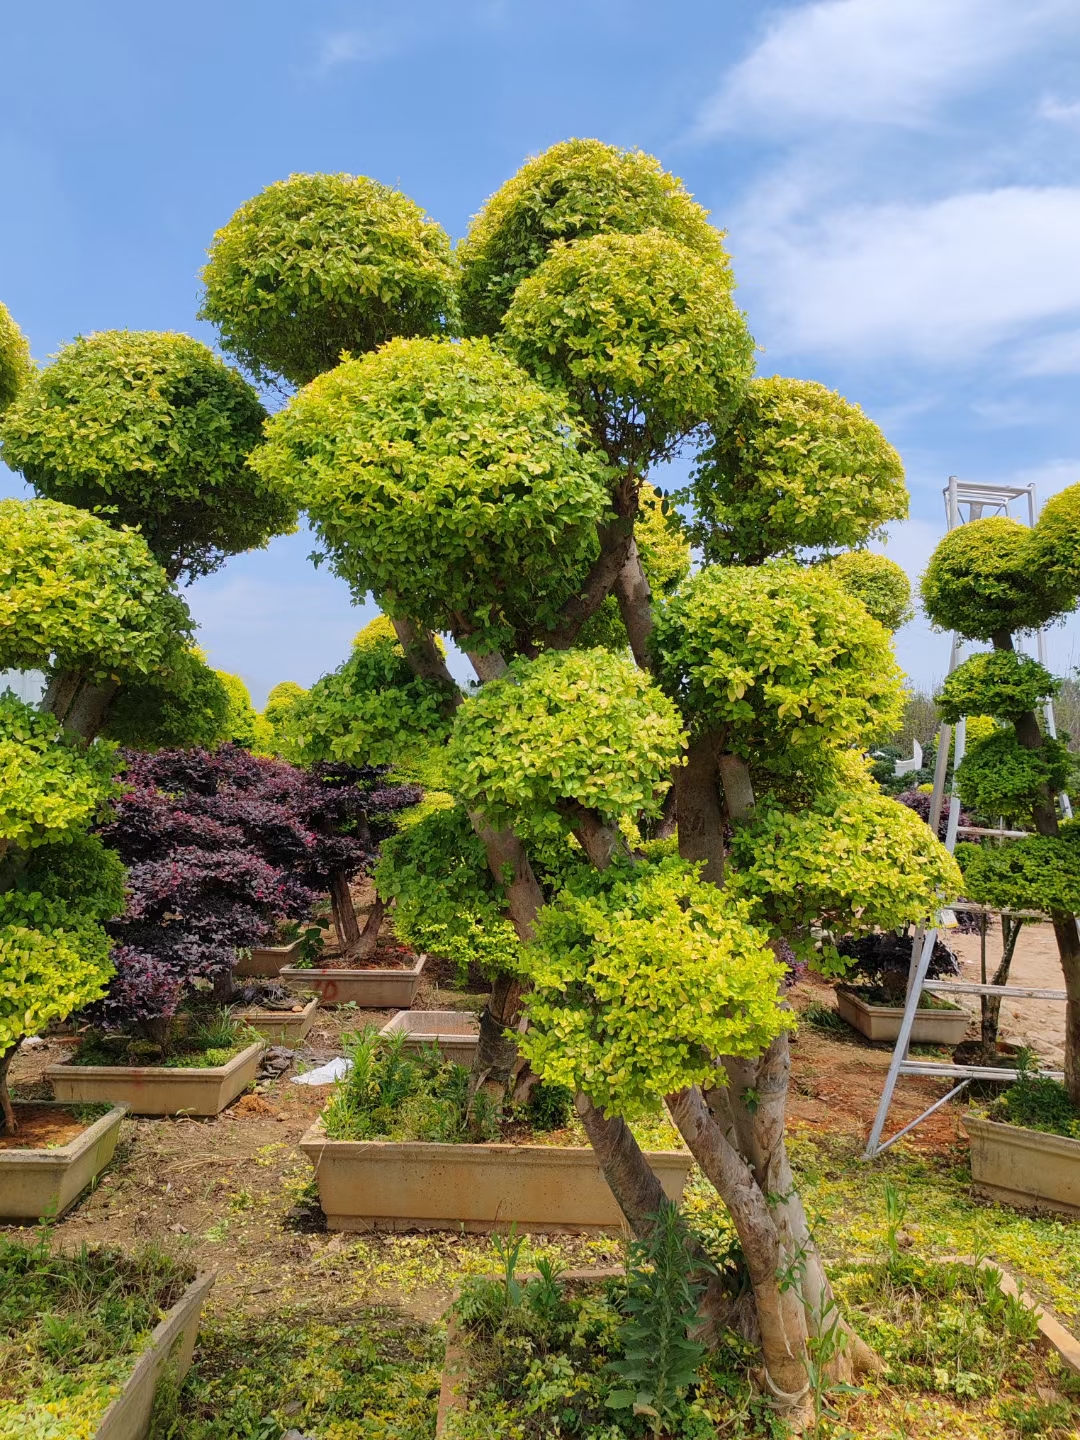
(879, 966)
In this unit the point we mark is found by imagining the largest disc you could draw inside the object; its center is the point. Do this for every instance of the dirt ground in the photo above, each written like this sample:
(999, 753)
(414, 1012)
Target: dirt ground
(1039, 1024)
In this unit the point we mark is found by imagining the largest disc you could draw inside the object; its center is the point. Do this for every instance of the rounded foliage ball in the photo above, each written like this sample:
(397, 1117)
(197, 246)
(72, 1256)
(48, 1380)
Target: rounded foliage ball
(644, 976)
(643, 337)
(580, 726)
(184, 706)
(799, 467)
(573, 190)
(153, 429)
(16, 366)
(1000, 683)
(999, 778)
(778, 658)
(50, 787)
(446, 481)
(1039, 873)
(316, 266)
(983, 580)
(79, 595)
(1056, 541)
(878, 582)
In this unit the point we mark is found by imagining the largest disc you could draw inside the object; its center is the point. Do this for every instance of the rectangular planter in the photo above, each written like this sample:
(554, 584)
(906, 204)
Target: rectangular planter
(36, 1183)
(156, 1090)
(170, 1351)
(266, 960)
(1024, 1167)
(421, 1185)
(281, 1027)
(456, 1032)
(882, 1022)
(367, 989)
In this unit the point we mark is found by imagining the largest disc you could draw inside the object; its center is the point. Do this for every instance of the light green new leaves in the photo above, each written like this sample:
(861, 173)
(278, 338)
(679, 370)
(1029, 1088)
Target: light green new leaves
(317, 265)
(76, 594)
(641, 334)
(445, 481)
(877, 581)
(1056, 541)
(776, 656)
(573, 725)
(999, 683)
(155, 430)
(16, 366)
(852, 862)
(46, 976)
(800, 467)
(573, 190)
(49, 787)
(642, 976)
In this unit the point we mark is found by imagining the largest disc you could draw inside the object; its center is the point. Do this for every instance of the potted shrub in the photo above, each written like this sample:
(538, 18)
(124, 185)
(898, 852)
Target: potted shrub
(871, 995)
(1026, 1149)
(129, 1323)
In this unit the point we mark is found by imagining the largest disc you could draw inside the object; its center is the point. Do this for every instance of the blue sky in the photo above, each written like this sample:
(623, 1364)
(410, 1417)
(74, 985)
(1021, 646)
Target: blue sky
(899, 179)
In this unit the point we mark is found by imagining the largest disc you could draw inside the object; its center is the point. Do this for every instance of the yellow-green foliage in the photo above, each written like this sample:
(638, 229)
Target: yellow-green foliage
(573, 190)
(317, 265)
(999, 683)
(281, 701)
(16, 366)
(242, 724)
(800, 467)
(370, 711)
(573, 725)
(1056, 541)
(155, 429)
(641, 976)
(1039, 873)
(444, 480)
(187, 705)
(777, 657)
(853, 862)
(49, 786)
(985, 578)
(642, 336)
(79, 595)
(999, 777)
(662, 542)
(877, 581)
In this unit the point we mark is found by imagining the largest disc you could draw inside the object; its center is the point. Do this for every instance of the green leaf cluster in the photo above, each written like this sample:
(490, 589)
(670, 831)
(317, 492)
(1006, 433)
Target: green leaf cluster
(777, 657)
(185, 706)
(854, 861)
(50, 787)
(317, 266)
(999, 777)
(1056, 542)
(585, 726)
(16, 366)
(443, 479)
(877, 581)
(573, 190)
(642, 975)
(800, 467)
(150, 429)
(281, 702)
(985, 579)
(1039, 873)
(999, 683)
(47, 976)
(641, 335)
(76, 594)
(242, 724)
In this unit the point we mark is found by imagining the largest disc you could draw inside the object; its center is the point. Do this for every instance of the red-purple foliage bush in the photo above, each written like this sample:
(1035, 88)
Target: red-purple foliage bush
(220, 846)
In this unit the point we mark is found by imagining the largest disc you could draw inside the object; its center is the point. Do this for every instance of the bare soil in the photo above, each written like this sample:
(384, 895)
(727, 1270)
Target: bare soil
(41, 1127)
(1039, 1024)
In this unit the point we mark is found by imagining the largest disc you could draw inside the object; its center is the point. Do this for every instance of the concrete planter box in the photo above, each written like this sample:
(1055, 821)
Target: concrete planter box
(266, 960)
(1024, 1167)
(170, 1350)
(281, 1027)
(882, 1022)
(422, 1185)
(35, 1183)
(367, 989)
(456, 1032)
(157, 1090)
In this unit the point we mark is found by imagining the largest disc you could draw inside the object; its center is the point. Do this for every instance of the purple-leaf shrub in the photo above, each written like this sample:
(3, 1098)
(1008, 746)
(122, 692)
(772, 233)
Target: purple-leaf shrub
(919, 801)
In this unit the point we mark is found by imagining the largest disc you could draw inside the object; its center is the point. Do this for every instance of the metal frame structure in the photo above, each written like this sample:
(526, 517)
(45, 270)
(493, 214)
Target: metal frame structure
(976, 499)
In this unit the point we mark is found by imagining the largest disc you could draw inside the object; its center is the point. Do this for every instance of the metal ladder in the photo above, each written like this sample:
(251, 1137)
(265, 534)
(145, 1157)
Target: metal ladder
(959, 495)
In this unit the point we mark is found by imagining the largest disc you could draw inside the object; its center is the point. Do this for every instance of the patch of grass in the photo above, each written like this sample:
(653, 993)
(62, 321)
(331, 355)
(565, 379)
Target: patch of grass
(209, 1039)
(1039, 1103)
(824, 1018)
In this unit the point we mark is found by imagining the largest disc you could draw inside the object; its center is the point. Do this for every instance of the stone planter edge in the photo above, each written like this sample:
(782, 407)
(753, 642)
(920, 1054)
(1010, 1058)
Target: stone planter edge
(232, 1079)
(60, 1174)
(882, 1022)
(1053, 1158)
(369, 989)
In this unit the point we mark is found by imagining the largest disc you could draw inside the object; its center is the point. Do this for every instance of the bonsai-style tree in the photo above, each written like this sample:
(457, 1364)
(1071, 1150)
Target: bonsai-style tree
(150, 430)
(16, 366)
(990, 580)
(492, 491)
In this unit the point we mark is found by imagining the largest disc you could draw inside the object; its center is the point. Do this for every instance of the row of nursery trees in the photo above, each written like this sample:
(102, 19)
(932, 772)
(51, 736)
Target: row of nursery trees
(654, 795)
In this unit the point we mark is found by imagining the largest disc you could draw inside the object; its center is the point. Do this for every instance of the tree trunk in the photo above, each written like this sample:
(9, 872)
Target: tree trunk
(345, 921)
(990, 1006)
(636, 1189)
(738, 787)
(424, 660)
(80, 705)
(1068, 942)
(701, 819)
(369, 935)
(601, 842)
(6, 1107)
(635, 606)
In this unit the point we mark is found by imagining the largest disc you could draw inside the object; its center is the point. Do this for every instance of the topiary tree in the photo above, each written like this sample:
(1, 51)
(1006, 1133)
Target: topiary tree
(153, 431)
(186, 706)
(877, 581)
(318, 266)
(16, 366)
(986, 580)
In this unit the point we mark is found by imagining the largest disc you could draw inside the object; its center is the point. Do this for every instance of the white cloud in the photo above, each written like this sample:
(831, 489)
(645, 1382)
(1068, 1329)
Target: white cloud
(351, 47)
(937, 281)
(874, 61)
(1063, 111)
(1056, 354)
